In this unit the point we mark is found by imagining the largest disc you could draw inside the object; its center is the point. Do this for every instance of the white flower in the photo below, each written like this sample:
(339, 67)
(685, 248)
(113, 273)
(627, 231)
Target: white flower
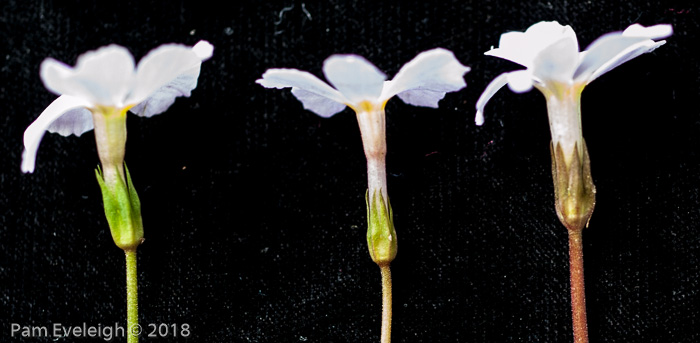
(107, 79)
(361, 86)
(555, 66)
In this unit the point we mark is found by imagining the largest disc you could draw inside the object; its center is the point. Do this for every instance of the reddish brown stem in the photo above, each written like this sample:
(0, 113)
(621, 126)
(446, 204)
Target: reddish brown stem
(578, 293)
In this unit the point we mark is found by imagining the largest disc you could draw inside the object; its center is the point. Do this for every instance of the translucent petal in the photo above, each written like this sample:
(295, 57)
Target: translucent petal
(490, 90)
(74, 122)
(615, 48)
(163, 65)
(630, 53)
(557, 62)
(605, 50)
(286, 78)
(436, 71)
(104, 76)
(164, 97)
(32, 136)
(422, 97)
(354, 77)
(315, 103)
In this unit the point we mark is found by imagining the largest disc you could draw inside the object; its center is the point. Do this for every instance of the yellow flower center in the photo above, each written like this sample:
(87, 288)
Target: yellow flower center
(367, 106)
(111, 111)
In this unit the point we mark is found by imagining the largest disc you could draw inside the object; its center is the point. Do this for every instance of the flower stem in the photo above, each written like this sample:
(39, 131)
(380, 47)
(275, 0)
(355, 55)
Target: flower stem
(578, 293)
(386, 303)
(132, 302)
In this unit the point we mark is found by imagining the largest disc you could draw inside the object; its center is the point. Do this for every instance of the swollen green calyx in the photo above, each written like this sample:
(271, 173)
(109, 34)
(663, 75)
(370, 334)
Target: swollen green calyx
(123, 210)
(381, 235)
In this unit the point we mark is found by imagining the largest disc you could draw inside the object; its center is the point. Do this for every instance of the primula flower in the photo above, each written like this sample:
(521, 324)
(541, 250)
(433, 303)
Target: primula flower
(555, 66)
(363, 87)
(96, 94)
(107, 80)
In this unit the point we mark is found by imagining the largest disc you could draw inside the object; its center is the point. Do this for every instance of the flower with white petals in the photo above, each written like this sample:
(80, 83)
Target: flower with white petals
(550, 52)
(96, 94)
(107, 81)
(424, 81)
(361, 86)
(554, 65)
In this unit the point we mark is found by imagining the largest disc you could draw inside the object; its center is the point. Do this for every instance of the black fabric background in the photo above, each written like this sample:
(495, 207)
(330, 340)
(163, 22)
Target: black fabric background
(254, 208)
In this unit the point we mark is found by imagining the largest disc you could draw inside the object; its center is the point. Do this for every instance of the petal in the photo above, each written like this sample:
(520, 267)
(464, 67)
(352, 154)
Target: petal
(203, 49)
(315, 103)
(422, 97)
(490, 90)
(285, 78)
(160, 100)
(523, 47)
(32, 136)
(602, 51)
(166, 63)
(520, 81)
(74, 122)
(513, 47)
(104, 76)
(436, 71)
(557, 62)
(354, 77)
(613, 49)
(652, 32)
(640, 49)
(628, 54)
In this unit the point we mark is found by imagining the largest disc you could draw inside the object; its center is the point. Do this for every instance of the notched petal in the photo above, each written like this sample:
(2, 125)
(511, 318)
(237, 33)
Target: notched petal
(163, 65)
(160, 100)
(435, 71)
(320, 105)
(74, 122)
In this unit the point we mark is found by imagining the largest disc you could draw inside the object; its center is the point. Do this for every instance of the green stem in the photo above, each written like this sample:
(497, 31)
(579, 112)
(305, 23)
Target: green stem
(132, 301)
(386, 303)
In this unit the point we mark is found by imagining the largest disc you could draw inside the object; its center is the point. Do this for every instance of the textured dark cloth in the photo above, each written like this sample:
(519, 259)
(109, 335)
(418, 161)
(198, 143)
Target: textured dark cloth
(254, 208)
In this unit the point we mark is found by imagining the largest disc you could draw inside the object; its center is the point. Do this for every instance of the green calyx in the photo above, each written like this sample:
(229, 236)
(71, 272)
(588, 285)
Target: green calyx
(381, 236)
(123, 210)
(574, 192)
